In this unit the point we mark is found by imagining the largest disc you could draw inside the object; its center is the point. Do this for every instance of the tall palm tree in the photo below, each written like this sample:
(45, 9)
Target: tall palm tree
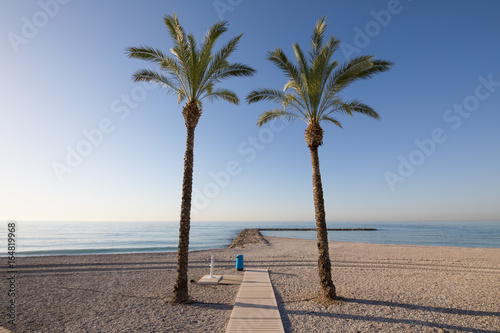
(312, 95)
(193, 74)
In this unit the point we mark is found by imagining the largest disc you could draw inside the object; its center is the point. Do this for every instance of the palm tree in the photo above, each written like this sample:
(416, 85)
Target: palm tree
(312, 95)
(193, 74)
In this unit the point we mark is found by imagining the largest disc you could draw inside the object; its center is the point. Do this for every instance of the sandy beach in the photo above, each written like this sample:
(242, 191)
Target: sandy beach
(383, 288)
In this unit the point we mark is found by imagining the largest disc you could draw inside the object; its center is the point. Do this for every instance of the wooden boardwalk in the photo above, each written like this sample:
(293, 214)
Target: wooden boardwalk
(255, 309)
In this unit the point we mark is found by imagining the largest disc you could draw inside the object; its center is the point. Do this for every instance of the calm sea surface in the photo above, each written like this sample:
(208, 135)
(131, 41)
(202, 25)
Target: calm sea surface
(61, 238)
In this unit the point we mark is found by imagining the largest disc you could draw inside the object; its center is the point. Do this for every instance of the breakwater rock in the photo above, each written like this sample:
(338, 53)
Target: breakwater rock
(248, 236)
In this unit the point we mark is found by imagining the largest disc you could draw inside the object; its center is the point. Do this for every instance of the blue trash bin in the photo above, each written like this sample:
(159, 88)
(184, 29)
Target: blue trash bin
(239, 262)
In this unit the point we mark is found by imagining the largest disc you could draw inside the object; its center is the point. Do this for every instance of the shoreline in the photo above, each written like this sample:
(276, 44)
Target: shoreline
(391, 288)
(116, 239)
(21, 255)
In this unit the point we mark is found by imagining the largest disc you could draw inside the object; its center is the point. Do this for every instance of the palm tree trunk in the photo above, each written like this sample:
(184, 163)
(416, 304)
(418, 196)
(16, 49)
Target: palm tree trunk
(324, 264)
(191, 115)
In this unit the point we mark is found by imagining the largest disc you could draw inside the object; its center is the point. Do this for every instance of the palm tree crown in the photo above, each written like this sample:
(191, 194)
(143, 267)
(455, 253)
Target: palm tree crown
(314, 83)
(192, 72)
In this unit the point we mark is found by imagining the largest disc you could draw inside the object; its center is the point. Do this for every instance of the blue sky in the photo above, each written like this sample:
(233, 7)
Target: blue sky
(66, 89)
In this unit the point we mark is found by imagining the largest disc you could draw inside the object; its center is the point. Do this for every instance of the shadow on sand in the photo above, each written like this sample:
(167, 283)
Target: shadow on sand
(285, 315)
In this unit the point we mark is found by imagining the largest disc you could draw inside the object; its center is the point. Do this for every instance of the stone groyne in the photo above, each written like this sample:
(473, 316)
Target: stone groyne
(253, 236)
(248, 236)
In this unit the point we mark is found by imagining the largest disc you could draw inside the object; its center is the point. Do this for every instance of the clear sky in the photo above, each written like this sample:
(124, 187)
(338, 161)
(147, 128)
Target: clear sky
(80, 141)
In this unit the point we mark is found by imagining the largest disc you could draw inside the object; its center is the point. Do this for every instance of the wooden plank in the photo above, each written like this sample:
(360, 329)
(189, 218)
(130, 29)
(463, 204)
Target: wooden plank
(255, 308)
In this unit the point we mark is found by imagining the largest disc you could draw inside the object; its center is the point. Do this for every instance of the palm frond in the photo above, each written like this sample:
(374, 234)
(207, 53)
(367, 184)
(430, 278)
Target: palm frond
(331, 120)
(265, 94)
(211, 37)
(278, 58)
(220, 57)
(322, 65)
(317, 37)
(294, 102)
(192, 54)
(181, 95)
(147, 75)
(172, 66)
(358, 68)
(358, 107)
(180, 49)
(145, 53)
(269, 115)
(378, 66)
(223, 94)
(192, 44)
(230, 70)
(350, 71)
(301, 61)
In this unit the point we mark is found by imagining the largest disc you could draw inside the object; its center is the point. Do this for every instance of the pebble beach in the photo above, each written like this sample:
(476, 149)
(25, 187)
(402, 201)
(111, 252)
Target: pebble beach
(381, 288)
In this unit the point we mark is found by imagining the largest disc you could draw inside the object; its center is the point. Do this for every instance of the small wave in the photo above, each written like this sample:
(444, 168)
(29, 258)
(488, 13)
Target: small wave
(96, 251)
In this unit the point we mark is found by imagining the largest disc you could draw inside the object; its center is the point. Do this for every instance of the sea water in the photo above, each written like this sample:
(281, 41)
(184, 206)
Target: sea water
(34, 238)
